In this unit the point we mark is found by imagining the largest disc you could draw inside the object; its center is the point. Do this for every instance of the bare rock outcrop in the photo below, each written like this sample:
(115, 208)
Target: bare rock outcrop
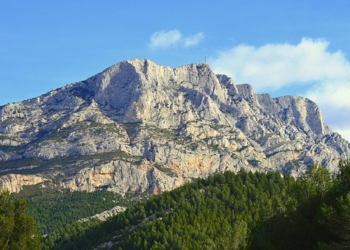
(141, 127)
(15, 182)
(105, 214)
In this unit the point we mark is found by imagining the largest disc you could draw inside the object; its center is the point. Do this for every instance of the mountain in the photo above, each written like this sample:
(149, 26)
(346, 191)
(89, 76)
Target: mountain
(141, 127)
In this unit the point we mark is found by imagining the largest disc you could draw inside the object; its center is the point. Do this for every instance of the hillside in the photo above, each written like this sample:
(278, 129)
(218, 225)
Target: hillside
(228, 211)
(140, 127)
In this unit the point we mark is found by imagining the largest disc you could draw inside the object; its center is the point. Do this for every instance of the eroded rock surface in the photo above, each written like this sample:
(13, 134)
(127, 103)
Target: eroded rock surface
(142, 127)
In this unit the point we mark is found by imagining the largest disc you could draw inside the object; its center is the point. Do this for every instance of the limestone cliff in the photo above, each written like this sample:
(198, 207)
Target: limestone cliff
(141, 127)
(15, 182)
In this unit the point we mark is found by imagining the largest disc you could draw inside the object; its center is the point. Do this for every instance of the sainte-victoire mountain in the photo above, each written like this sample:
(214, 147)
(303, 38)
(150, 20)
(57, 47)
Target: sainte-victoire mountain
(142, 127)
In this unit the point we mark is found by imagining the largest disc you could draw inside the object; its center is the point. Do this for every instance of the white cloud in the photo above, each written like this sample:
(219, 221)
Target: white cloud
(277, 65)
(165, 38)
(323, 75)
(193, 40)
(331, 92)
(169, 38)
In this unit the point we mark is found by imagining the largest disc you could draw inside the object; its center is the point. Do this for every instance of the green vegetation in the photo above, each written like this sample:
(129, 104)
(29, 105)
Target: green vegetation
(229, 211)
(132, 128)
(102, 128)
(165, 170)
(167, 134)
(17, 229)
(55, 208)
(224, 211)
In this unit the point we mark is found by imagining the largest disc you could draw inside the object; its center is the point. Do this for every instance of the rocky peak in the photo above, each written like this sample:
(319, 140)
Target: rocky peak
(142, 127)
(246, 91)
(303, 112)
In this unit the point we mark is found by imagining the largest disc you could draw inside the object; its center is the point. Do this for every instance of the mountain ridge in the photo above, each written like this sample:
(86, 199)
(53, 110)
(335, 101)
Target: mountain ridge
(141, 127)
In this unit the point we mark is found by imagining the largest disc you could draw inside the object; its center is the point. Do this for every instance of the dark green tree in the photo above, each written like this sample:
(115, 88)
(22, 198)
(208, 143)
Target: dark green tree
(17, 229)
(335, 214)
(343, 177)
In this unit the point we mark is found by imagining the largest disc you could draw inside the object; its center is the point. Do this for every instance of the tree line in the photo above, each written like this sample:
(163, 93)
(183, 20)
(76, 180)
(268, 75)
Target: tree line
(228, 210)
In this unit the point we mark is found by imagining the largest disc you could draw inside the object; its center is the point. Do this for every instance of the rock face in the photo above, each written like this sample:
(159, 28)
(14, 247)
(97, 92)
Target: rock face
(142, 127)
(15, 182)
(105, 214)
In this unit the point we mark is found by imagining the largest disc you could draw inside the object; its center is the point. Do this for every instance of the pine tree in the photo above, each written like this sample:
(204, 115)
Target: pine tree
(17, 229)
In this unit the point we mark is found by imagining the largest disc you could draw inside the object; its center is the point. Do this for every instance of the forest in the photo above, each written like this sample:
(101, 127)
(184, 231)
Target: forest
(227, 210)
(55, 208)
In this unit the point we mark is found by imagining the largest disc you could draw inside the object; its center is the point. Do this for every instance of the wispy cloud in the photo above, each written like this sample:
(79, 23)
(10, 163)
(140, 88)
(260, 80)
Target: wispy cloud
(193, 40)
(278, 65)
(323, 75)
(168, 38)
(165, 38)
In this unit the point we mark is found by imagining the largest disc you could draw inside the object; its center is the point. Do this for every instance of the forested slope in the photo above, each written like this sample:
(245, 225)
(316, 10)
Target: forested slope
(54, 208)
(229, 211)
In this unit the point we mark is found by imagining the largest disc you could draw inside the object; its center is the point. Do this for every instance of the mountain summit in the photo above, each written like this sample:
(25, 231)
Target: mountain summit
(141, 127)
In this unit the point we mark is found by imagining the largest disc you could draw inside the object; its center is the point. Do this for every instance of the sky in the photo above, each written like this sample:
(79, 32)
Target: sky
(279, 47)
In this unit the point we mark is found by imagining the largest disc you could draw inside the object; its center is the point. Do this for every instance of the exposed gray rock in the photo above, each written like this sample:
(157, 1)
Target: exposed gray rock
(105, 214)
(15, 182)
(142, 127)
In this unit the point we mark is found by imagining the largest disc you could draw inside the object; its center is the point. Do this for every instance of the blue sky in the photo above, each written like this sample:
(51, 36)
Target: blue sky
(280, 47)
